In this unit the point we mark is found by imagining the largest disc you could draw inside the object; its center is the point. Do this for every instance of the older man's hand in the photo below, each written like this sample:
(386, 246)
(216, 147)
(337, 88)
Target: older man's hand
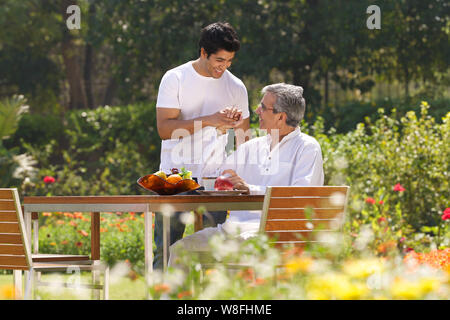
(237, 181)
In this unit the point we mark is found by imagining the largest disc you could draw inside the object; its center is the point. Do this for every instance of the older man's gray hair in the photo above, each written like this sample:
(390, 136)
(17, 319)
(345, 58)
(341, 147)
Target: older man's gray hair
(289, 99)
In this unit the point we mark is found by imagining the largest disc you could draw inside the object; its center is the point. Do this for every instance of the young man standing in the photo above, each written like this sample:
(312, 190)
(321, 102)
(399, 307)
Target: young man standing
(197, 102)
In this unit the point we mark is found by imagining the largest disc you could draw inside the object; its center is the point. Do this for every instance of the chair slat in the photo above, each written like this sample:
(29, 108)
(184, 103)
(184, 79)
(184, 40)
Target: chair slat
(9, 227)
(7, 205)
(297, 236)
(6, 238)
(6, 194)
(284, 213)
(302, 203)
(8, 216)
(10, 249)
(7, 267)
(301, 225)
(13, 260)
(308, 191)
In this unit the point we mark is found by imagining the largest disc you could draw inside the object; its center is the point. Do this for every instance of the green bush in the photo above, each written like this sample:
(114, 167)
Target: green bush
(122, 236)
(412, 151)
(345, 117)
(101, 151)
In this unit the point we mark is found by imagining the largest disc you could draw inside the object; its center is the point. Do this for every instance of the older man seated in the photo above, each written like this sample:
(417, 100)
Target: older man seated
(283, 157)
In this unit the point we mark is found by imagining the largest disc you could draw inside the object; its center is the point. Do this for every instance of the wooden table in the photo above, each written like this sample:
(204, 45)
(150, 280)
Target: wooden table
(145, 203)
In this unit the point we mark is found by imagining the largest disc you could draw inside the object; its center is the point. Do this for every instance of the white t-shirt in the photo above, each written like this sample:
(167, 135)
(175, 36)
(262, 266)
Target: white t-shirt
(196, 96)
(295, 161)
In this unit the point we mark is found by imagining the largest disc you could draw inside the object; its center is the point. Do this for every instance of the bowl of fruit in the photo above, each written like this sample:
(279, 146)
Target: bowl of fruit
(177, 181)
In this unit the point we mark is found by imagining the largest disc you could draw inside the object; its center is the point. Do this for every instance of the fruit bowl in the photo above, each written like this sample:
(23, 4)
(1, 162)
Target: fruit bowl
(163, 187)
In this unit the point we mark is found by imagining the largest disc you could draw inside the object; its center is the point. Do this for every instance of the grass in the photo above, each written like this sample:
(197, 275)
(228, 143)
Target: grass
(121, 288)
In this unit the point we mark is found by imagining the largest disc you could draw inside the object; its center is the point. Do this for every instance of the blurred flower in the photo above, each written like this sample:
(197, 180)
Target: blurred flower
(446, 214)
(370, 200)
(387, 246)
(439, 259)
(363, 268)
(161, 288)
(335, 286)
(83, 233)
(381, 202)
(49, 180)
(25, 166)
(302, 264)
(47, 214)
(7, 292)
(64, 242)
(398, 187)
(183, 294)
(408, 289)
(381, 219)
(78, 244)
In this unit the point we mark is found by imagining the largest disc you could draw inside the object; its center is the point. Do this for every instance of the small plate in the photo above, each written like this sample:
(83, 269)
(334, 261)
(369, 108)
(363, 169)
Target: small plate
(220, 192)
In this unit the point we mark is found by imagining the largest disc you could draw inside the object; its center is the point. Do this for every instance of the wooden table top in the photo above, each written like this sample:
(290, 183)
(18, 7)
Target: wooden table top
(141, 199)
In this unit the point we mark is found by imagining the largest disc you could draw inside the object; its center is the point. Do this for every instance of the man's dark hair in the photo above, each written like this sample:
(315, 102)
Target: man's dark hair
(218, 36)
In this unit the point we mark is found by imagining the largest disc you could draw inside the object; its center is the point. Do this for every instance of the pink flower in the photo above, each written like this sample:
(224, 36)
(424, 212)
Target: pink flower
(381, 202)
(399, 187)
(446, 214)
(381, 219)
(49, 180)
(370, 200)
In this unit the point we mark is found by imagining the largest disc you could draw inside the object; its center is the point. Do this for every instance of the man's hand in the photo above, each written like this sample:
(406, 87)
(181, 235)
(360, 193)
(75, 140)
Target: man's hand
(237, 181)
(231, 113)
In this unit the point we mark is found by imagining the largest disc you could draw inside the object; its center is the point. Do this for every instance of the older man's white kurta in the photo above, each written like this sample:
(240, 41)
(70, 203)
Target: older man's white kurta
(295, 161)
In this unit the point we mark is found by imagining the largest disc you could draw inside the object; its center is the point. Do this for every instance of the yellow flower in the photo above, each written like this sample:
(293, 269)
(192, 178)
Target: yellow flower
(295, 265)
(335, 286)
(7, 292)
(363, 268)
(404, 289)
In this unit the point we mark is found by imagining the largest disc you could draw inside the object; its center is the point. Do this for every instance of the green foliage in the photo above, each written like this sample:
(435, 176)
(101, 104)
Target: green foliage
(345, 117)
(122, 236)
(103, 151)
(372, 159)
(13, 167)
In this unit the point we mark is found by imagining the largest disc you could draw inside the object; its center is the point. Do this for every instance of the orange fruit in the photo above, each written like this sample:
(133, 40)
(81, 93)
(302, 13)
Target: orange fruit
(174, 178)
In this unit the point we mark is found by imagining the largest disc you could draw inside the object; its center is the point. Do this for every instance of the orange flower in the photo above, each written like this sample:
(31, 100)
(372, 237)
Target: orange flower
(60, 222)
(387, 246)
(78, 215)
(79, 244)
(161, 288)
(64, 242)
(247, 274)
(83, 233)
(73, 223)
(439, 259)
(53, 243)
(183, 294)
(68, 214)
(47, 214)
(103, 230)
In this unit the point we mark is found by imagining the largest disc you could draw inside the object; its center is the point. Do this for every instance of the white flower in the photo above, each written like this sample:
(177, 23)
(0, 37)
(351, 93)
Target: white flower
(26, 166)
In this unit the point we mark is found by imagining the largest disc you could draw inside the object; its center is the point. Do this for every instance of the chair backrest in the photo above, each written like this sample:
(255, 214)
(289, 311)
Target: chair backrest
(14, 247)
(298, 215)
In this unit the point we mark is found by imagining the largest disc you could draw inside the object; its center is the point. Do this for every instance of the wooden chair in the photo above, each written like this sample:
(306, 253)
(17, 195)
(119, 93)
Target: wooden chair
(15, 252)
(296, 216)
